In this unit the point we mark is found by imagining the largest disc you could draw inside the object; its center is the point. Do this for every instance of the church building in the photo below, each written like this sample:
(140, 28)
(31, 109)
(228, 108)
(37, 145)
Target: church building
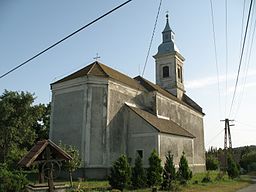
(105, 113)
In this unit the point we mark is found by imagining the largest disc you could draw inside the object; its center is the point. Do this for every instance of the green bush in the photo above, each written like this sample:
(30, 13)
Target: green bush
(11, 181)
(154, 173)
(169, 172)
(232, 169)
(248, 160)
(184, 173)
(206, 178)
(212, 163)
(138, 174)
(120, 175)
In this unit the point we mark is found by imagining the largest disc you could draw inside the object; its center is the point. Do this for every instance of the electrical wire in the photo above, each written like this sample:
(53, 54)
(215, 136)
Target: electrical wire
(152, 37)
(65, 38)
(241, 57)
(213, 138)
(216, 58)
(248, 59)
(226, 34)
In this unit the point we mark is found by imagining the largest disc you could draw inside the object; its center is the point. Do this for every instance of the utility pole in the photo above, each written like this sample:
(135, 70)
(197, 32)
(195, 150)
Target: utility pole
(227, 136)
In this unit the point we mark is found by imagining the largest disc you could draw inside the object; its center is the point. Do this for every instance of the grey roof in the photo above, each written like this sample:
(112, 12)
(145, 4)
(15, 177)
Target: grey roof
(162, 125)
(186, 100)
(168, 45)
(98, 69)
(139, 83)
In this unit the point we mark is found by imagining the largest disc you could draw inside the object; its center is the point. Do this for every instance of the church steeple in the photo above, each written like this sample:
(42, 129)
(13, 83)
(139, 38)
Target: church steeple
(169, 63)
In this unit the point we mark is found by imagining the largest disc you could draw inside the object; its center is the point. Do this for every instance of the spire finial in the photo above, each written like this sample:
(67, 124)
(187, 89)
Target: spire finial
(167, 15)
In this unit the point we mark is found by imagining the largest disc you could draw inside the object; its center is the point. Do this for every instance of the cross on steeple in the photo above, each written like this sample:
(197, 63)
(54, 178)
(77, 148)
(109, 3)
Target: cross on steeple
(97, 57)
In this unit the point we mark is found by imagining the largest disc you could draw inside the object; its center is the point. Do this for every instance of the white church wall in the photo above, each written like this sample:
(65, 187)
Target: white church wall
(141, 137)
(67, 118)
(176, 145)
(118, 95)
(189, 120)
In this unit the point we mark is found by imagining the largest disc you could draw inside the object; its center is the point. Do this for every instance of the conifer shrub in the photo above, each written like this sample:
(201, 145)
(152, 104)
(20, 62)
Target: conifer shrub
(168, 172)
(120, 175)
(154, 173)
(138, 174)
(232, 168)
(184, 173)
(212, 163)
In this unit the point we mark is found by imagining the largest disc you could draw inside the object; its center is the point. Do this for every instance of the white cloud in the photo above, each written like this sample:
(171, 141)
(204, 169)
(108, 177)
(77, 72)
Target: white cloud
(212, 80)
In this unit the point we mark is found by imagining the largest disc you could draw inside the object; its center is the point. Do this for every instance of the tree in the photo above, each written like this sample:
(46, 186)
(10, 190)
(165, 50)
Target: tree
(138, 174)
(120, 174)
(42, 125)
(168, 172)
(73, 164)
(154, 173)
(232, 168)
(212, 163)
(184, 173)
(17, 118)
(248, 161)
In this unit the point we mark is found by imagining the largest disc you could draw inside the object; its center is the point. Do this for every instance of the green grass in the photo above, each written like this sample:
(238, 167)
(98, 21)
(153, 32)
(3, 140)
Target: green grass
(194, 185)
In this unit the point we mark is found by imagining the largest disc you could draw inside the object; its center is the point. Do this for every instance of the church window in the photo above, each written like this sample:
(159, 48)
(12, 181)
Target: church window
(165, 71)
(180, 73)
(139, 153)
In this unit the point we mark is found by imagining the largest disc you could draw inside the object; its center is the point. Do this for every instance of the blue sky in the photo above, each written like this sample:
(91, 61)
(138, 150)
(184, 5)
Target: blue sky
(122, 40)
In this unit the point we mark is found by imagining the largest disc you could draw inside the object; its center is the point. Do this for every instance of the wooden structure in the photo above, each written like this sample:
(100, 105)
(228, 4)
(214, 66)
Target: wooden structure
(48, 156)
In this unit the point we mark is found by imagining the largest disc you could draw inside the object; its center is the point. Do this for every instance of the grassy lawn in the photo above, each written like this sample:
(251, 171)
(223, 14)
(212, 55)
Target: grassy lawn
(195, 185)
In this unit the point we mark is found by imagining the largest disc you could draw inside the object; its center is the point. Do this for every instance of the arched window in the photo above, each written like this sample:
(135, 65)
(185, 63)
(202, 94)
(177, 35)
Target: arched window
(165, 71)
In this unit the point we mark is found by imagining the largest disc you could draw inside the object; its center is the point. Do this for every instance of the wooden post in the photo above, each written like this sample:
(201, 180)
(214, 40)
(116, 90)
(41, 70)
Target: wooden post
(49, 170)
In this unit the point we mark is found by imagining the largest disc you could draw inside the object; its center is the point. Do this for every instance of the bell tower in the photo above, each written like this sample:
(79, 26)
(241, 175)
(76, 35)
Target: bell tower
(169, 64)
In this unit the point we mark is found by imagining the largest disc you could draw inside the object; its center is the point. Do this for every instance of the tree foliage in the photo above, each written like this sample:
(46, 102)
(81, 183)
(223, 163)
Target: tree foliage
(232, 168)
(168, 172)
(138, 174)
(184, 173)
(154, 173)
(11, 181)
(73, 164)
(248, 160)
(120, 175)
(17, 120)
(212, 163)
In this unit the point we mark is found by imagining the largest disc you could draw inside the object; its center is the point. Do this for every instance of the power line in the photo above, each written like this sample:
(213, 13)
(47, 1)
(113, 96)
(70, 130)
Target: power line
(215, 51)
(226, 34)
(213, 138)
(248, 59)
(65, 38)
(241, 57)
(151, 40)
(242, 28)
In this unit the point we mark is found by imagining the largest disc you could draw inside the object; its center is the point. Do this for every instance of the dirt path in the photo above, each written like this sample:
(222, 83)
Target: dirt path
(250, 188)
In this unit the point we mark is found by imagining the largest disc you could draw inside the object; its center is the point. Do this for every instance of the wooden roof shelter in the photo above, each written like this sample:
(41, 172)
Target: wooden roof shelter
(36, 155)
(45, 154)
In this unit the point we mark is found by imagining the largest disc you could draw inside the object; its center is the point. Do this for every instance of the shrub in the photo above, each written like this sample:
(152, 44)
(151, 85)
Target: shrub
(207, 178)
(220, 176)
(120, 173)
(232, 169)
(247, 161)
(184, 173)
(212, 163)
(168, 172)
(11, 181)
(154, 173)
(138, 174)
(73, 164)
